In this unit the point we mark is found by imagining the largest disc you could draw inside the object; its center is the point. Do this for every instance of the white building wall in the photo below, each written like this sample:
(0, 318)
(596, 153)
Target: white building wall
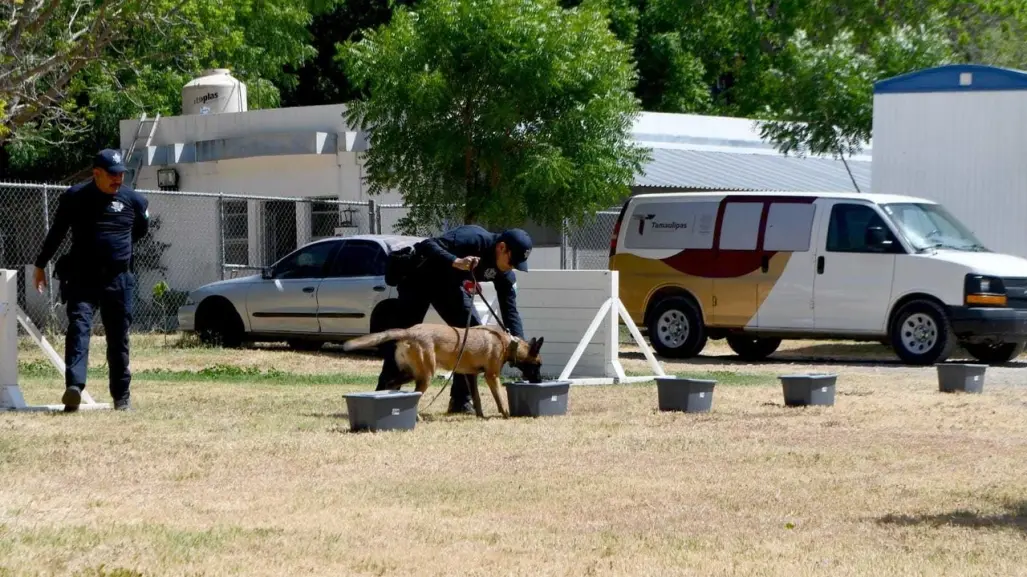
(965, 150)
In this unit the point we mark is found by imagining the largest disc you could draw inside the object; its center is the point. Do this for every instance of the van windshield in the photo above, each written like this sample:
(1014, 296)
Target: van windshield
(928, 226)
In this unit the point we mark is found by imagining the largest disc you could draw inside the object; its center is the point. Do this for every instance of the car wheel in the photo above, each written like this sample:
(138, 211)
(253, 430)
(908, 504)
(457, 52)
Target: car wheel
(676, 329)
(921, 333)
(217, 324)
(752, 348)
(995, 354)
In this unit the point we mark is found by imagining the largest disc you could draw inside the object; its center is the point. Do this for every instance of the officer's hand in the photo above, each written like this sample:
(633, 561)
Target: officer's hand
(40, 279)
(466, 263)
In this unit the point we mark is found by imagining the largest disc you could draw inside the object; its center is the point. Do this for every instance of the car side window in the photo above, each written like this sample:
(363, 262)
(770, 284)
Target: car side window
(359, 258)
(308, 262)
(852, 228)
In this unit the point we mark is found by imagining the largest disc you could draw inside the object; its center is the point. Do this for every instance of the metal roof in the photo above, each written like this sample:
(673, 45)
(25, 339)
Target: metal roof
(954, 78)
(699, 169)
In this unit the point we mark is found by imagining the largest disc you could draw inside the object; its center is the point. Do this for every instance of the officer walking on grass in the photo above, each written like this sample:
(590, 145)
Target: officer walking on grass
(435, 276)
(106, 219)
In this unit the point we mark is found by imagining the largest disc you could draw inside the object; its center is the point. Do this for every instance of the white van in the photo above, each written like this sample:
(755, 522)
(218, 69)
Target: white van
(756, 268)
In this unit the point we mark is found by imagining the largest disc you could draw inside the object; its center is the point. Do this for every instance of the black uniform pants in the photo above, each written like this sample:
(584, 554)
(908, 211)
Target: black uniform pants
(113, 293)
(453, 304)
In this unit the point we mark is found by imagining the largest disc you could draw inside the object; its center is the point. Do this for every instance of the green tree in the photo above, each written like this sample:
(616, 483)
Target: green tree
(148, 50)
(496, 111)
(823, 100)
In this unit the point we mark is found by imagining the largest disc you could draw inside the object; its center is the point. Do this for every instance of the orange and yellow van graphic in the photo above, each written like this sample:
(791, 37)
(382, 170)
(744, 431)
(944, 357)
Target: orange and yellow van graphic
(726, 251)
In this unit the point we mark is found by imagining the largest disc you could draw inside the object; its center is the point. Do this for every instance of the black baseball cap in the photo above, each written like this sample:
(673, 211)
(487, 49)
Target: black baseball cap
(519, 244)
(109, 160)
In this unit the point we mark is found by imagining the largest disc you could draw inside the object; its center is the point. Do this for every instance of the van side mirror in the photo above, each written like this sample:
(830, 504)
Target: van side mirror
(265, 273)
(878, 237)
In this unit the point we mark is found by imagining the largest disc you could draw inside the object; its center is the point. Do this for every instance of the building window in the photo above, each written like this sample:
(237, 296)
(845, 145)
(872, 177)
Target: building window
(327, 215)
(236, 232)
(324, 217)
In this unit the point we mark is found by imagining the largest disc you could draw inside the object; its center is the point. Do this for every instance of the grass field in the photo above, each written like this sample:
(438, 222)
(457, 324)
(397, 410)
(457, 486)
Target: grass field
(241, 463)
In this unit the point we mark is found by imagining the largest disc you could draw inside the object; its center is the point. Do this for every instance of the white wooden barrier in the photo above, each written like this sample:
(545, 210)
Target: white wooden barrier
(11, 314)
(578, 313)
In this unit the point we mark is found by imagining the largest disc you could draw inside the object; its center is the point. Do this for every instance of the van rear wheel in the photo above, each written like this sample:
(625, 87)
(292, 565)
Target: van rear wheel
(921, 333)
(752, 348)
(996, 354)
(676, 329)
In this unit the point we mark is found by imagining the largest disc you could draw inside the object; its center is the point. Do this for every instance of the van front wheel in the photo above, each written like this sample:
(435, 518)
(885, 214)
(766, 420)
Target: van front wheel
(676, 329)
(921, 333)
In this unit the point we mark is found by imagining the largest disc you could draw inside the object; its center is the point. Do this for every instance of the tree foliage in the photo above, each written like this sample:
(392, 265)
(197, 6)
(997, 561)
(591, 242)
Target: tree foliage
(111, 60)
(496, 111)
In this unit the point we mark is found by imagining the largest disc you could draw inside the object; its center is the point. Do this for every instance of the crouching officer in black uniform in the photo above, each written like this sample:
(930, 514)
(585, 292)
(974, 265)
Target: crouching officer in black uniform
(433, 272)
(105, 218)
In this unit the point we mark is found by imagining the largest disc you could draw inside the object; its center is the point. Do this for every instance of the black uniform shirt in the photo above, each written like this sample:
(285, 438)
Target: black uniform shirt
(473, 240)
(103, 226)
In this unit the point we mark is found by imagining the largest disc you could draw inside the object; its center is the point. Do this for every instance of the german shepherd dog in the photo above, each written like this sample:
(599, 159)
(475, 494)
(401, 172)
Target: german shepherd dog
(422, 348)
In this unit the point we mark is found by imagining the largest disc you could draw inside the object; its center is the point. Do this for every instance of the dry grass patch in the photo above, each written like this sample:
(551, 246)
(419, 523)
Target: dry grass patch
(262, 477)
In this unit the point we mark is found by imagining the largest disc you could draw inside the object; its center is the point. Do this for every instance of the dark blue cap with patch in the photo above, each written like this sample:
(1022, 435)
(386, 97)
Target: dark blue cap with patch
(519, 244)
(109, 160)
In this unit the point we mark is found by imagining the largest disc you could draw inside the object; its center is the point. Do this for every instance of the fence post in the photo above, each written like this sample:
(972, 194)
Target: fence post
(563, 244)
(221, 234)
(371, 211)
(50, 304)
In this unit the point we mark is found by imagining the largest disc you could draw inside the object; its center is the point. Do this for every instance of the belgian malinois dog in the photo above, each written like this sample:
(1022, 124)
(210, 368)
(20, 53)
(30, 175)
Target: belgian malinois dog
(424, 347)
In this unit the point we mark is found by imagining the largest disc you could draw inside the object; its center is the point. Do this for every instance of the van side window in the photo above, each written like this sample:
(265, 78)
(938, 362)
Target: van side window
(741, 226)
(847, 231)
(789, 226)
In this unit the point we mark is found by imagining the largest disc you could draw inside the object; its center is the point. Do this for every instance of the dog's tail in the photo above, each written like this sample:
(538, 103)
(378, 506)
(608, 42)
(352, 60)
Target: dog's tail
(374, 339)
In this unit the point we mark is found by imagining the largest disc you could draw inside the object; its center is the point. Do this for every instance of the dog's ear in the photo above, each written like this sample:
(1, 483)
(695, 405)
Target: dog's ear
(535, 346)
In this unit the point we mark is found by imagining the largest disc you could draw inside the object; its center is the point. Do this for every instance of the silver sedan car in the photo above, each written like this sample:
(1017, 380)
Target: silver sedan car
(329, 290)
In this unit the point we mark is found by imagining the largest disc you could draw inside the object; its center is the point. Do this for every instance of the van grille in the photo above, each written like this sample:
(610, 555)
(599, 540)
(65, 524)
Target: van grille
(1016, 292)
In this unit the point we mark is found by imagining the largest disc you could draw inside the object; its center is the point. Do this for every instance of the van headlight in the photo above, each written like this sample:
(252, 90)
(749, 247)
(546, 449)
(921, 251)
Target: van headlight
(981, 290)
(189, 300)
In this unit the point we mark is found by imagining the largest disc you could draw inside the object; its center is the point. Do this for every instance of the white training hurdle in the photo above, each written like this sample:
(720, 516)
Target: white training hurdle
(11, 398)
(578, 313)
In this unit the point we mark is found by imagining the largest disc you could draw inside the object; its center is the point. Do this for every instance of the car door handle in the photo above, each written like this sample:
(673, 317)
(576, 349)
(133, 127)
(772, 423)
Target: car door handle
(379, 288)
(309, 289)
(820, 265)
(765, 263)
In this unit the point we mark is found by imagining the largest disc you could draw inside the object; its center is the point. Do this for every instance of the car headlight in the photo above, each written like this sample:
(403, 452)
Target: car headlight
(981, 290)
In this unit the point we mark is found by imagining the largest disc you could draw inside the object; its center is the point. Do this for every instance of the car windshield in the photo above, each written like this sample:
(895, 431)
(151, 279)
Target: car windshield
(928, 226)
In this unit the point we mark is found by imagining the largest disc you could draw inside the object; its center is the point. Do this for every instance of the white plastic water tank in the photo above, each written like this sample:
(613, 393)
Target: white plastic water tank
(215, 92)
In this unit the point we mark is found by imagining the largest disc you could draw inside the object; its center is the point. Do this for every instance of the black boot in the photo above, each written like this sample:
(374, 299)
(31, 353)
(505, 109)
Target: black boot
(71, 399)
(460, 396)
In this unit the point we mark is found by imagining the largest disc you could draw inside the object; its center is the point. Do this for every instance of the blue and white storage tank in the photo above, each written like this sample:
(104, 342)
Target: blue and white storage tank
(957, 135)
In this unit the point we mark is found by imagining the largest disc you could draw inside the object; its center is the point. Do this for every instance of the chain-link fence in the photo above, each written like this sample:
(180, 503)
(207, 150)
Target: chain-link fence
(588, 246)
(195, 238)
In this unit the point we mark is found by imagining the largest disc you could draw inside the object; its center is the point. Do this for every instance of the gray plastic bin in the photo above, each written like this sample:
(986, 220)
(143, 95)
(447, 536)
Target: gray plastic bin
(961, 377)
(683, 394)
(382, 410)
(809, 389)
(537, 399)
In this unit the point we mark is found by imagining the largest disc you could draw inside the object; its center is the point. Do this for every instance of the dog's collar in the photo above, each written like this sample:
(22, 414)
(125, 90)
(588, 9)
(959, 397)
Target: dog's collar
(511, 351)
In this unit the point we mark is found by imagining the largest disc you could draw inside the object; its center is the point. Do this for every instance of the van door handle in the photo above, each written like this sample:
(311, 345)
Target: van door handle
(379, 288)
(308, 289)
(765, 263)
(820, 265)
